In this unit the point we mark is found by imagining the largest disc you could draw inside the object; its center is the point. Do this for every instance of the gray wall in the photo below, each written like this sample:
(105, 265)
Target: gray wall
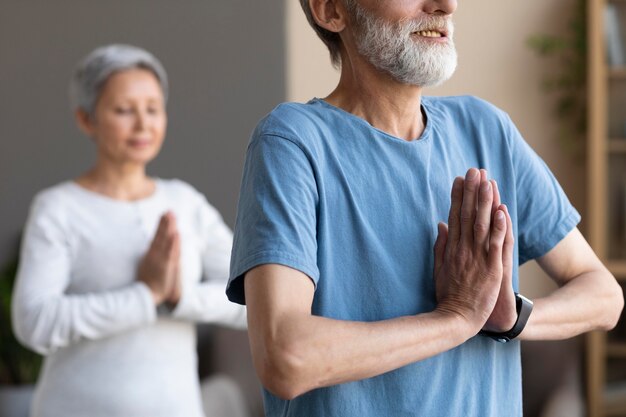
(225, 60)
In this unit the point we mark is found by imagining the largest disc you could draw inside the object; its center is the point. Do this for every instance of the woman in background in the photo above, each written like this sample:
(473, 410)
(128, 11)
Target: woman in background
(116, 266)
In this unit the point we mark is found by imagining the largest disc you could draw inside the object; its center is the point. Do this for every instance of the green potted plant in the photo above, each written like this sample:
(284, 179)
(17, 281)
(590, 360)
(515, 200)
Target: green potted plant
(19, 366)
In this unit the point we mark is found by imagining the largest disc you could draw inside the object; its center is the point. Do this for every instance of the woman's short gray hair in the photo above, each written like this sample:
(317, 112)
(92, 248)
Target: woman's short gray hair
(95, 69)
(330, 39)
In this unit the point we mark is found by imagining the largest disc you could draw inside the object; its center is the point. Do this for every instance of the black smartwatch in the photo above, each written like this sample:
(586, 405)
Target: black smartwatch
(524, 307)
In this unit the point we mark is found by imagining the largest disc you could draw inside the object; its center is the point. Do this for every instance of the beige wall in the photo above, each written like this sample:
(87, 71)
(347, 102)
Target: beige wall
(494, 63)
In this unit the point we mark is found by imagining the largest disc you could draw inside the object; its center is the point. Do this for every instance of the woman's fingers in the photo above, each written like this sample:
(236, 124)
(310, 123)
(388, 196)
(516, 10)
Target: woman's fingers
(159, 267)
(162, 242)
(158, 241)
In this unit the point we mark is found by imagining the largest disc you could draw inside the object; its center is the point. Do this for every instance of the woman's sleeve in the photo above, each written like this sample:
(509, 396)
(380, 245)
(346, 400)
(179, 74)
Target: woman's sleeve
(46, 318)
(206, 300)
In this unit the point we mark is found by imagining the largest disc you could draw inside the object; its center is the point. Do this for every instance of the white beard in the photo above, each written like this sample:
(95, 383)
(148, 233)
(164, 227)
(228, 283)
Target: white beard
(391, 48)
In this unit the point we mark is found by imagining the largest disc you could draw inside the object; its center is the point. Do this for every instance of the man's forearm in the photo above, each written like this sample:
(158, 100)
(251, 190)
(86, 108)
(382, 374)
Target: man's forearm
(295, 351)
(588, 297)
(591, 301)
(307, 352)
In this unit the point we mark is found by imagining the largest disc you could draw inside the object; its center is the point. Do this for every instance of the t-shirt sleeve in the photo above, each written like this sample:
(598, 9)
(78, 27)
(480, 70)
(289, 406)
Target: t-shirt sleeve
(277, 212)
(545, 215)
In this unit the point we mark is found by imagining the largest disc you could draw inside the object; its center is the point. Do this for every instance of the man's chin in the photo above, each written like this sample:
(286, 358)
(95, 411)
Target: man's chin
(437, 81)
(428, 67)
(426, 79)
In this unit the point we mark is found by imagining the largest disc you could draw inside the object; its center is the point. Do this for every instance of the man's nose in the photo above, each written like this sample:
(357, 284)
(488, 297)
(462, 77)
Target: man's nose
(443, 7)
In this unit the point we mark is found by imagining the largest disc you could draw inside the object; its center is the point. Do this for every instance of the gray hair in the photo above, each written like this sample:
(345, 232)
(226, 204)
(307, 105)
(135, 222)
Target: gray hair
(95, 69)
(330, 39)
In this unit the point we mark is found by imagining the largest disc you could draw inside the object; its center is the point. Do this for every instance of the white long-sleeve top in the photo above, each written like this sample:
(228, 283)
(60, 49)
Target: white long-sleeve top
(77, 301)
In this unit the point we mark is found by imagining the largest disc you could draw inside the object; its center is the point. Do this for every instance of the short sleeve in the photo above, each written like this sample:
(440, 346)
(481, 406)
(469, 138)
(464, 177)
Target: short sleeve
(544, 214)
(277, 212)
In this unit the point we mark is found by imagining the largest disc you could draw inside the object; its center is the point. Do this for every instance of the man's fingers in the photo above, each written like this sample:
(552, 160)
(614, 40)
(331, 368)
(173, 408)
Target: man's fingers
(454, 218)
(482, 222)
(510, 239)
(496, 196)
(468, 207)
(508, 245)
(496, 239)
(440, 246)
(484, 176)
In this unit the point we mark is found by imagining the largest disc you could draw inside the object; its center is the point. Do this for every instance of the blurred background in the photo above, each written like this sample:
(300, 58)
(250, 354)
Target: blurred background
(229, 64)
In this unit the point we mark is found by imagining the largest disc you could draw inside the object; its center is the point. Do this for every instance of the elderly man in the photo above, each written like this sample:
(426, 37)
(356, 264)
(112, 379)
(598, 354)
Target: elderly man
(351, 312)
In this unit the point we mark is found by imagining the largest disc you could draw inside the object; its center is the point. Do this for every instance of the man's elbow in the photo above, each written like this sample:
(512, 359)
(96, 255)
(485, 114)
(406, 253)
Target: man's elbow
(281, 388)
(614, 307)
(284, 373)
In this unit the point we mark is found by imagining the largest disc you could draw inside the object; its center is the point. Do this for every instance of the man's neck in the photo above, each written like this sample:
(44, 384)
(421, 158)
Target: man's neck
(383, 102)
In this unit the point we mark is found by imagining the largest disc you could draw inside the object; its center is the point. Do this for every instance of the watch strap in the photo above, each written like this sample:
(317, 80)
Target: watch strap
(524, 307)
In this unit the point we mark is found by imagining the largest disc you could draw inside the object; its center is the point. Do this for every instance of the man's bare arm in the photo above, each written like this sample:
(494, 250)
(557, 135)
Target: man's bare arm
(295, 351)
(588, 297)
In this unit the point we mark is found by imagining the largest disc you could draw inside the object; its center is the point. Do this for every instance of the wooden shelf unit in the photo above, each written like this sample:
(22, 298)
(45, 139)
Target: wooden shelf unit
(617, 145)
(606, 220)
(618, 268)
(617, 73)
(616, 350)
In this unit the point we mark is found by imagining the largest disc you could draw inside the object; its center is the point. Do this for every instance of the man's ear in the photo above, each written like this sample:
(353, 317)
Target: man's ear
(84, 121)
(329, 14)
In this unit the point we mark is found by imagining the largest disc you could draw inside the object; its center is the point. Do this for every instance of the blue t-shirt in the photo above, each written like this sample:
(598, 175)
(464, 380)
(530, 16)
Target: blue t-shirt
(356, 210)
